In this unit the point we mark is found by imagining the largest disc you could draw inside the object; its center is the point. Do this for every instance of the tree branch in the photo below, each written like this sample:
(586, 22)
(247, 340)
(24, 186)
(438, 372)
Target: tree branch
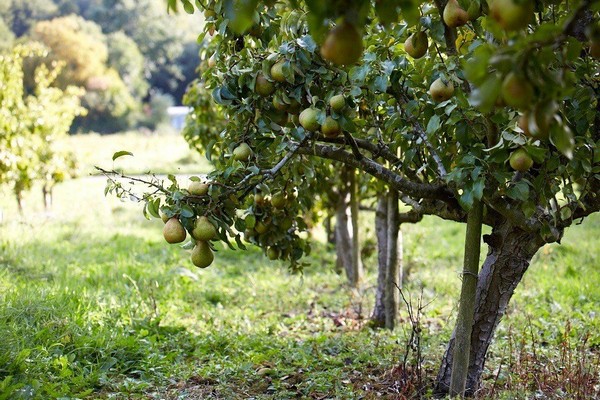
(413, 189)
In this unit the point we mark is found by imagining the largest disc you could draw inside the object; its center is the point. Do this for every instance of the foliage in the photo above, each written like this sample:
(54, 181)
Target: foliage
(31, 123)
(81, 45)
(161, 38)
(440, 155)
(77, 42)
(153, 52)
(20, 16)
(125, 57)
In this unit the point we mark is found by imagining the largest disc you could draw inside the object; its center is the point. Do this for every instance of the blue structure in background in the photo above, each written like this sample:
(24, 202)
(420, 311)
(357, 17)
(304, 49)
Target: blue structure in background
(177, 116)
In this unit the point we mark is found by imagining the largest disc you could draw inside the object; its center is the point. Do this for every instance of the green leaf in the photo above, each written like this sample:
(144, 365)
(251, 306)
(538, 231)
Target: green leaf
(562, 138)
(433, 125)
(188, 7)
(485, 96)
(121, 154)
(186, 211)
(153, 207)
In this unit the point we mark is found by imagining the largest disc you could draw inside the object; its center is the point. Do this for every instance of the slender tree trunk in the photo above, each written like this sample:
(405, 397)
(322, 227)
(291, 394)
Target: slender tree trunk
(329, 229)
(357, 266)
(19, 197)
(47, 194)
(392, 276)
(347, 242)
(343, 241)
(389, 257)
(464, 322)
(509, 255)
(381, 231)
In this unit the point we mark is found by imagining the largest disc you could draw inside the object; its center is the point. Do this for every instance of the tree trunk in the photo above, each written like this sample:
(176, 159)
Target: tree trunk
(346, 229)
(464, 321)
(47, 194)
(392, 282)
(509, 255)
(357, 266)
(19, 197)
(378, 316)
(389, 257)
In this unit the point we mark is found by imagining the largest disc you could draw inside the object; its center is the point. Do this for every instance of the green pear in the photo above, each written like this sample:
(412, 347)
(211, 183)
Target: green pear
(331, 128)
(441, 91)
(337, 102)
(416, 45)
(197, 188)
(512, 15)
(273, 253)
(343, 45)
(263, 86)
(243, 152)
(278, 200)
(454, 16)
(520, 160)
(204, 229)
(173, 231)
(516, 91)
(279, 104)
(202, 255)
(308, 119)
(277, 71)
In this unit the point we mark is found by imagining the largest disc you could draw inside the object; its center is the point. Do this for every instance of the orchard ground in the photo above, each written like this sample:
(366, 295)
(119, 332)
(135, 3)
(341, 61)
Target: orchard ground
(94, 304)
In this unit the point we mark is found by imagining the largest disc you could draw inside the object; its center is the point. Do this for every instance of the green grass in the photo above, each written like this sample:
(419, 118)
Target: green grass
(94, 304)
(163, 152)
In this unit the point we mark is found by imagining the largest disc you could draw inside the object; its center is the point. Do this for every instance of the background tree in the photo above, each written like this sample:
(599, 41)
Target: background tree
(81, 45)
(31, 125)
(502, 112)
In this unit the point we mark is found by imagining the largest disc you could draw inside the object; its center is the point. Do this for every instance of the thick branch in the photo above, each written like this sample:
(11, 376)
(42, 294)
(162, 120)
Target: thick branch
(413, 189)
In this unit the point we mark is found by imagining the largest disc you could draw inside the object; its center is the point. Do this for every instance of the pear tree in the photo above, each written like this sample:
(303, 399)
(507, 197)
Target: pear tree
(497, 124)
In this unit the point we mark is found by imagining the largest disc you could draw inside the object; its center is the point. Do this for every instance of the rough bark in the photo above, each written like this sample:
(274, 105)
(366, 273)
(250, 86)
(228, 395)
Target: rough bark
(464, 321)
(346, 230)
(378, 316)
(343, 241)
(356, 274)
(509, 255)
(392, 282)
(389, 257)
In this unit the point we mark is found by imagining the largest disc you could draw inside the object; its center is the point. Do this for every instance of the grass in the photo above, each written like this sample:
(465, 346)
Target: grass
(94, 305)
(163, 152)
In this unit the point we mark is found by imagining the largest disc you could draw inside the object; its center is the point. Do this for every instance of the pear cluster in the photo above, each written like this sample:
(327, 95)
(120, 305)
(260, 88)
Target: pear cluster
(330, 128)
(269, 221)
(202, 232)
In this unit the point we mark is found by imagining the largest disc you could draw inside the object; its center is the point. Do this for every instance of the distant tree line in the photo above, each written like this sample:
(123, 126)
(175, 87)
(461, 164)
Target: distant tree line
(131, 58)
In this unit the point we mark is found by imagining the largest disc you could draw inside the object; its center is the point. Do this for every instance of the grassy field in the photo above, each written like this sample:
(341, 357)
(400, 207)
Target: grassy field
(94, 305)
